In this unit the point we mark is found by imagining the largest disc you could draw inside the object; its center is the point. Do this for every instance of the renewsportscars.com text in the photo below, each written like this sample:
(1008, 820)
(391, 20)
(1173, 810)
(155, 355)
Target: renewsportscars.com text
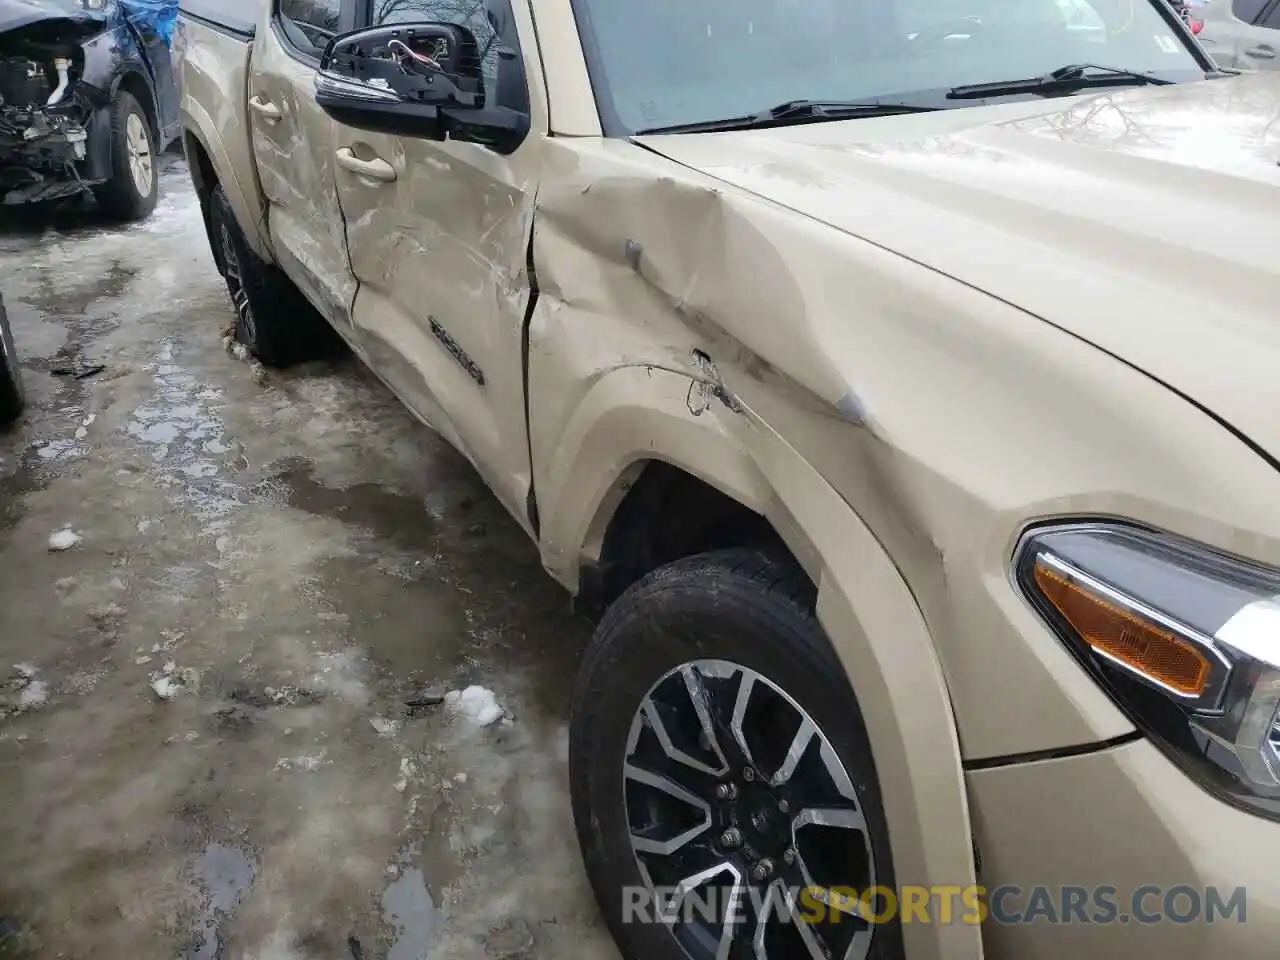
(942, 904)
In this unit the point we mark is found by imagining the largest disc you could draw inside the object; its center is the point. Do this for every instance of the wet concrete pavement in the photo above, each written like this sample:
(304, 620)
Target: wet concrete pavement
(205, 748)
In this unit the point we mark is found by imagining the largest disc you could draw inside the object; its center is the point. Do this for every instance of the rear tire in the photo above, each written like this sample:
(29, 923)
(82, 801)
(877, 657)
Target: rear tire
(11, 399)
(273, 319)
(682, 645)
(131, 192)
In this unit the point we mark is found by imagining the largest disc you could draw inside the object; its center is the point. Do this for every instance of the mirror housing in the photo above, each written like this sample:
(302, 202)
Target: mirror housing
(419, 80)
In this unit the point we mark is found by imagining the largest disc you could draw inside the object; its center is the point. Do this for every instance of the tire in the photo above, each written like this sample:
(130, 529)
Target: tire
(130, 192)
(11, 399)
(743, 608)
(273, 319)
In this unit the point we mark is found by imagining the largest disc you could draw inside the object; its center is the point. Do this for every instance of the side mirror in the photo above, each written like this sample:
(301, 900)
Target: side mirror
(415, 80)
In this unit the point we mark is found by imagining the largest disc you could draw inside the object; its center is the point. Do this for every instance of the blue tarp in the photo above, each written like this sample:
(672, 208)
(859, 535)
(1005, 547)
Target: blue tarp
(152, 16)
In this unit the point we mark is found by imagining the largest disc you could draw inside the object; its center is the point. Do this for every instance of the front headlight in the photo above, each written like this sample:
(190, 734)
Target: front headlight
(1186, 639)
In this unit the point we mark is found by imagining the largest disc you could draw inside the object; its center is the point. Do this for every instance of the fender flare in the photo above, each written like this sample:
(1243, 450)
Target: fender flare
(195, 122)
(134, 69)
(610, 433)
(635, 414)
(878, 631)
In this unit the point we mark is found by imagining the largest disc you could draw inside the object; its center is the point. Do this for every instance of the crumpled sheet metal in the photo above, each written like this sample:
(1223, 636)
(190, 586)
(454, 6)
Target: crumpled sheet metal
(152, 16)
(857, 357)
(690, 266)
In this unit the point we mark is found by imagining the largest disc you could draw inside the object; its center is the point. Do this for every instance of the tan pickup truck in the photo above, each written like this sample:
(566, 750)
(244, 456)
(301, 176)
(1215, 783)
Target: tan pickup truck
(897, 378)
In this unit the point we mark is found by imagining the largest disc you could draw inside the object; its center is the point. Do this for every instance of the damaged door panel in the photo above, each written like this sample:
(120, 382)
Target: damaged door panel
(439, 235)
(293, 148)
(66, 69)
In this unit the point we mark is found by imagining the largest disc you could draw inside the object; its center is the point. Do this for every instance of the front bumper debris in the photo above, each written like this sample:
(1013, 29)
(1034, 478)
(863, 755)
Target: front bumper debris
(39, 151)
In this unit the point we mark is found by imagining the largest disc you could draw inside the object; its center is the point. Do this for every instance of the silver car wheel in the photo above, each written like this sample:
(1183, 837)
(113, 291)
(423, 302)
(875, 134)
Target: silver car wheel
(138, 147)
(744, 822)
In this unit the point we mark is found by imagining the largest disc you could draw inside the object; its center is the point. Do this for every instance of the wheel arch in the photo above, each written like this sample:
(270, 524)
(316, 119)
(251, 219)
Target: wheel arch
(133, 81)
(632, 440)
(204, 175)
(210, 167)
(204, 179)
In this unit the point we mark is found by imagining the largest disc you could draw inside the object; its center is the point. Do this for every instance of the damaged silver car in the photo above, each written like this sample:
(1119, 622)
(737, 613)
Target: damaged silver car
(87, 101)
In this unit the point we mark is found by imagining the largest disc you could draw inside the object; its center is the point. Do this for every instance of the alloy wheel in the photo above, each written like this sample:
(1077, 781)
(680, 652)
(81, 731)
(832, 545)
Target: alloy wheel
(138, 148)
(234, 276)
(744, 823)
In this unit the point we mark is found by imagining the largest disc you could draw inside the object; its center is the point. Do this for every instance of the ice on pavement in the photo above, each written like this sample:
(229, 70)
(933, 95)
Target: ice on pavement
(34, 694)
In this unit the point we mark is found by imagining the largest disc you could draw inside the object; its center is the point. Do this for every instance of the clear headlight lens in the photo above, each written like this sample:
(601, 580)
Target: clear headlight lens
(1186, 639)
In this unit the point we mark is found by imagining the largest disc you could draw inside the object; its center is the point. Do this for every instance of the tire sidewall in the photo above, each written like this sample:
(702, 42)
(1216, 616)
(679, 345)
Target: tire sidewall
(11, 395)
(657, 626)
(121, 195)
(222, 217)
(285, 327)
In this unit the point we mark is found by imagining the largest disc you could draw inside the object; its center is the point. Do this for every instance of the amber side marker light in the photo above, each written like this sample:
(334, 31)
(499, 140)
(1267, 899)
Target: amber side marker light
(1124, 636)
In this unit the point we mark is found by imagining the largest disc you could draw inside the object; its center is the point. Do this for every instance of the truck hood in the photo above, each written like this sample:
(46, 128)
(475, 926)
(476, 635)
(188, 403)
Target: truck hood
(1145, 221)
(15, 14)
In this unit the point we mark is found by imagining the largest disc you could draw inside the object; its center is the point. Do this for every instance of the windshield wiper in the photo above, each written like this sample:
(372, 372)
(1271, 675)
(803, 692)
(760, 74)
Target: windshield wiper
(1074, 76)
(799, 111)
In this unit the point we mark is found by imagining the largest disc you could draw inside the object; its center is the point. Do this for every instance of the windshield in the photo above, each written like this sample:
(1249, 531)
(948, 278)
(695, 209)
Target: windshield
(661, 63)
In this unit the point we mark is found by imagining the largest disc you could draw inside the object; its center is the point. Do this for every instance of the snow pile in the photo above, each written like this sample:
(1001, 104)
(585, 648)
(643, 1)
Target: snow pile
(257, 372)
(166, 687)
(34, 693)
(385, 726)
(475, 704)
(64, 539)
(408, 771)
(169, 681)
(23, 691)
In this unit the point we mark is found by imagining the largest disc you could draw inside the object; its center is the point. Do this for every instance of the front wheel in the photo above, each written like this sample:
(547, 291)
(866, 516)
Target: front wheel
(273, 319)
(724, 791)
(131, 191)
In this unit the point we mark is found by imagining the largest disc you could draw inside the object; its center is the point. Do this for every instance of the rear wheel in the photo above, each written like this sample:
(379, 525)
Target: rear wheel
(10, 375)
(273, 319)
(719, 763)
(131, 191)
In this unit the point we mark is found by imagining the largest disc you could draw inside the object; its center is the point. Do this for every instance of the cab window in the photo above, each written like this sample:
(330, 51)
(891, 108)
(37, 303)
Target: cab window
(310, 24)
(657, 64)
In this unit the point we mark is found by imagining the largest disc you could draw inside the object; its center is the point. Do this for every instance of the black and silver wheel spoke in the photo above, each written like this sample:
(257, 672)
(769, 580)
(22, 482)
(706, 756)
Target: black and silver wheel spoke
(714, 923)
(834, 935)
(701, 701)
(665, 830)
(230, 262)
(737, 800)
(800, 743)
